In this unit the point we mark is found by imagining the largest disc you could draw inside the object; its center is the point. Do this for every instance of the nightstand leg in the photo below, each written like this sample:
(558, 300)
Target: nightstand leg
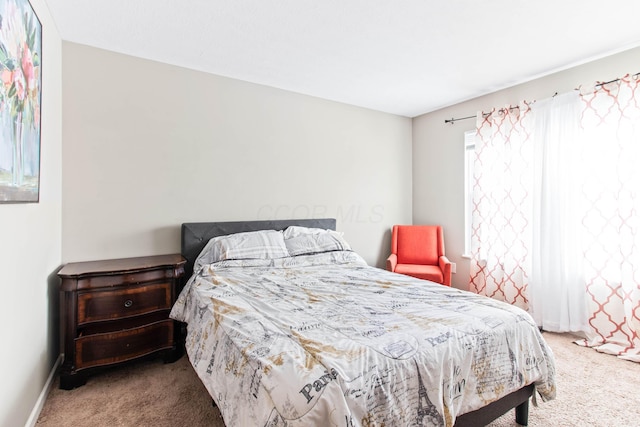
(170, 356)
(71, 381)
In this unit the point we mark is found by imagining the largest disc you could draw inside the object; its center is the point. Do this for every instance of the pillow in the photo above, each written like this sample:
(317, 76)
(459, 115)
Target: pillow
(263, 244)
(296, 230)
(313, 243)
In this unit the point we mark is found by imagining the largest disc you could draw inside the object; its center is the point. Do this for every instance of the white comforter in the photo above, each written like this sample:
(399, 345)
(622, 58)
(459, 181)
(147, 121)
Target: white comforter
(327, 340)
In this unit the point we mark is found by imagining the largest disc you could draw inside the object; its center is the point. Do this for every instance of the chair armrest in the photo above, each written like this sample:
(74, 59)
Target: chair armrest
(445, 266)
(392, 261)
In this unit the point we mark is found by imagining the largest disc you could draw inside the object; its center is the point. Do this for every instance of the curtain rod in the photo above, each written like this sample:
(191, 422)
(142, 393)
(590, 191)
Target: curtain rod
(483, 115)
(452, 120)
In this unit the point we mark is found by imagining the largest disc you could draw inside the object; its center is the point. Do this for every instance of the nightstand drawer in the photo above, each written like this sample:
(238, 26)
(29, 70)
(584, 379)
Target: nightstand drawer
(123, 303)
(112, 347)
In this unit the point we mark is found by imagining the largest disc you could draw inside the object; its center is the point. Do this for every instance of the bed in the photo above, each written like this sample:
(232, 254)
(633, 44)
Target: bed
(321, 338)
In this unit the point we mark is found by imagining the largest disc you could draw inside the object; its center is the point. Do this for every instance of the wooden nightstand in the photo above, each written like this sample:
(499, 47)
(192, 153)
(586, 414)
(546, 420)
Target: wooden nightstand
(118, 310)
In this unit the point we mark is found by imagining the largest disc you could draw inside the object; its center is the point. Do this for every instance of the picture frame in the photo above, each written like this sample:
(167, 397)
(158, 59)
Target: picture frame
(20, 102)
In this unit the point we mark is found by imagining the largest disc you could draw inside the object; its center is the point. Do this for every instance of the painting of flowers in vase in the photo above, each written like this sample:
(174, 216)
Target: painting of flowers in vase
(20, 97)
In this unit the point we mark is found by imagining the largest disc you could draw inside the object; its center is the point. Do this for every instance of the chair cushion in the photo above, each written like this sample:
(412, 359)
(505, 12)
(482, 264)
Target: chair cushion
(427, 272)
(418, 245)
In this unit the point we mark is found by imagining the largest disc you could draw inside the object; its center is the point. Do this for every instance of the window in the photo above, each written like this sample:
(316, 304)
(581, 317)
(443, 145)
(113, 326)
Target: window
(469, 150)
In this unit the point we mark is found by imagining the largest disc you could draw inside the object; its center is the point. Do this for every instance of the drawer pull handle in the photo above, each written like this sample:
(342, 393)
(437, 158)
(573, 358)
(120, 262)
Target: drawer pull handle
(128, 303)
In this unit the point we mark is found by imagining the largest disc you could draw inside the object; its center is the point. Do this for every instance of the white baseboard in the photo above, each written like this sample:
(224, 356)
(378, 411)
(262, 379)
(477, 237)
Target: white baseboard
(35, 412)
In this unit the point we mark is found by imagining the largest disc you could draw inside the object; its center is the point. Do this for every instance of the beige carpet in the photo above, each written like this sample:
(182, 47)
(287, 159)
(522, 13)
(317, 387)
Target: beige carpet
(593, 390)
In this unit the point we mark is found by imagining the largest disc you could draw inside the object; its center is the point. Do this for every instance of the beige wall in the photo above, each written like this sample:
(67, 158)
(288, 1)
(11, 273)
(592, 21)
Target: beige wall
(31, 254)
(148, 146)
(438, 148)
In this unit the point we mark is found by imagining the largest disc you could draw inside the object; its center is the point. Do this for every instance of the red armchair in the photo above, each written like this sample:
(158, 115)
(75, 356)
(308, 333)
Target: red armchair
(418, 251)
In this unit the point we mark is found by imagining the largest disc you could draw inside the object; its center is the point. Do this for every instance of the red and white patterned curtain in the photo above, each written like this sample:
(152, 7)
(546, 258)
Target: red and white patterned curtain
(556, 213)
(611, 223)
(501, 215)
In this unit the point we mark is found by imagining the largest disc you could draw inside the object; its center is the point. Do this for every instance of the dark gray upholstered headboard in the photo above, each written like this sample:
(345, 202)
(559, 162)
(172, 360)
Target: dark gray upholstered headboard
(195, 235)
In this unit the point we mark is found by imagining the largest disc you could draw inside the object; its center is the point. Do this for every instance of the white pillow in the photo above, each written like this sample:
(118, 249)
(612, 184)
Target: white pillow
(313, 243)
(296, 230)
(263, 244)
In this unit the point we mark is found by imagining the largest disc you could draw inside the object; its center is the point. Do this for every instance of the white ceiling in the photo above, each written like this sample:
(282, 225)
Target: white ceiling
(406, 57)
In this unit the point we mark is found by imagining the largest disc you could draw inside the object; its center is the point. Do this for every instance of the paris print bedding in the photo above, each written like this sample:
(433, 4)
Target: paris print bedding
(325, 339)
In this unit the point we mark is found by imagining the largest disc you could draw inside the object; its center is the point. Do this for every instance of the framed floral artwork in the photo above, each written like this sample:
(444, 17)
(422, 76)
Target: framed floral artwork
(20, 98)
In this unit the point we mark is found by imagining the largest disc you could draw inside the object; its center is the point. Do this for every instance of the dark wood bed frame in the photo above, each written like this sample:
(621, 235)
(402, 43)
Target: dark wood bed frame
(195, 236)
